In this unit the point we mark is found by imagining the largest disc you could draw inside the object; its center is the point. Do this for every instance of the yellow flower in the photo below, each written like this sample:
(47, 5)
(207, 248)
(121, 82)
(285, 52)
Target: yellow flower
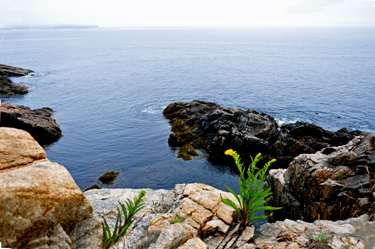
(258, 156)
(273, 160)
(230, 152)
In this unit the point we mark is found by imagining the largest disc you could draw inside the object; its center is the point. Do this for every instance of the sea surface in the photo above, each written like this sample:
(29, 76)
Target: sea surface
(108, 88)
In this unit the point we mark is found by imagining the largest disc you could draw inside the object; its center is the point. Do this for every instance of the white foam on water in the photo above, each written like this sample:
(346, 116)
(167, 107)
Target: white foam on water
(281, 121)
(153, 110)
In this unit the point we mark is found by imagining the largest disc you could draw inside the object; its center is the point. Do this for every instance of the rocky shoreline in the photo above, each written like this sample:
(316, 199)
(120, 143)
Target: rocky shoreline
(56, 214)
(10, 71)
(214, 128)
(208, 223)
(327, 172)
(7, 86)
(38, 122)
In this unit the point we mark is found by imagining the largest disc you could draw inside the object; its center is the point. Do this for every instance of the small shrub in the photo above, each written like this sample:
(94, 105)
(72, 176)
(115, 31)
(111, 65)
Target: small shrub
(177, 219)
(343, 176)
(253, 195)
(120, 229)
(321, 237)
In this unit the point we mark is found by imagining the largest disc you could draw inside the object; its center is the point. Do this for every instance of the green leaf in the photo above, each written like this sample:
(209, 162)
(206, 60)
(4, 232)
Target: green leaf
(232, 204)
(239, 199)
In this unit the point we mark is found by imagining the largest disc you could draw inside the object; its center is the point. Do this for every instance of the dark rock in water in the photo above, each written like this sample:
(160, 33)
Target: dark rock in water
(13, 71)
(9, 88)
(38, 122)
(316, 137)
(109, 177)
(330, 186)
(215, 128)
(95, 186)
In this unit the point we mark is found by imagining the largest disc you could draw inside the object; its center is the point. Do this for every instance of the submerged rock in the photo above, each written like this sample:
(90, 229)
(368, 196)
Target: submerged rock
(13, 71)
(215, 128)
(40, 204)
(38, 122)
(109, 177)
(332, 186)
(9, 88)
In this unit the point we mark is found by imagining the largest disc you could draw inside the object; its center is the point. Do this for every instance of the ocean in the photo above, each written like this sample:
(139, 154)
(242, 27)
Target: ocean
(108, 88)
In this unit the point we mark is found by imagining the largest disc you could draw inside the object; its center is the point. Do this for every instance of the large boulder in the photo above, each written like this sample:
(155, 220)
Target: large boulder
(40, 204)
(9, 88)
(38, 122)
(332, 184)
(13, 71)
(206, 125)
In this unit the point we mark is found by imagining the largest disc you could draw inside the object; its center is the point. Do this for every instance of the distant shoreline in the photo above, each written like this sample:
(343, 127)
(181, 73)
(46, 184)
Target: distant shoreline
(50, 27)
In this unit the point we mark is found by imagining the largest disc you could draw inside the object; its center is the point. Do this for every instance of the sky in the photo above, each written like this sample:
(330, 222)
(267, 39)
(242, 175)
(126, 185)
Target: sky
(191, 13)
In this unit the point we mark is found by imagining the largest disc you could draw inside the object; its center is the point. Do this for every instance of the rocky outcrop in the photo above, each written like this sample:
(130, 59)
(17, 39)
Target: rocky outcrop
(316, 137)
(205, 222)
(206, 125)
(38, 122)
(40, 204)
(335, 183)
(9, 88)
(13, 71)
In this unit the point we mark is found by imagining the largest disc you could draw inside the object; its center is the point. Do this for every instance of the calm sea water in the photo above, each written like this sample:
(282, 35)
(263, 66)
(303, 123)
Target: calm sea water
(108, 89)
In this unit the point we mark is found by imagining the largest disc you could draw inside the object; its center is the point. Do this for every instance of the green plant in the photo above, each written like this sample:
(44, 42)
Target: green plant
(343, 176)
(321, 237)
(177, 219)
(253, 195)
(120, 229)
(346, 247)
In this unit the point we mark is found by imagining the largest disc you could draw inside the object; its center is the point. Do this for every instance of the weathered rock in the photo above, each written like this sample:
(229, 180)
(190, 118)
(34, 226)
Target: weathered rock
(195, 243)
(13, 71)
(9, 88)
(246, 236)
(40, 204)
(155, 230)
(18, 148)
(215, 128)
(157, 202)
(353, 233)
(214, 226)
(196, 204)
(328, 186)
(38, 122)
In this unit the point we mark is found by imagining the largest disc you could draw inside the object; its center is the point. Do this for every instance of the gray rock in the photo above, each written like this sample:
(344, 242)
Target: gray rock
(13, 71)
(9, 88)
(38, 122)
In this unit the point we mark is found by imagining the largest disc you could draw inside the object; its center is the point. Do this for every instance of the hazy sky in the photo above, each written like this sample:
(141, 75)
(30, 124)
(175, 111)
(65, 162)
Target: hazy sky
(112, 13)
